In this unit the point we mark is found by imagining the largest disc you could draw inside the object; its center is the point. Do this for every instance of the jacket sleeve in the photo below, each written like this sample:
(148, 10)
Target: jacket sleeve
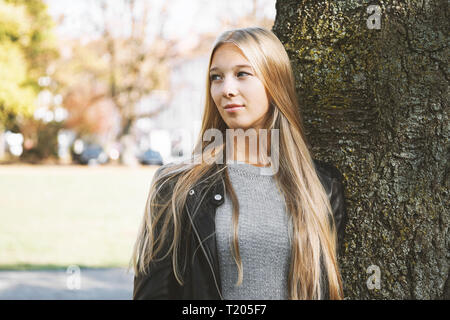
(158, 282)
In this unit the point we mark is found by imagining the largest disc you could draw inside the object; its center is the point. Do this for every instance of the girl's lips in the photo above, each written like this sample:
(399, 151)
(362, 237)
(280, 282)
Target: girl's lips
(234, 109)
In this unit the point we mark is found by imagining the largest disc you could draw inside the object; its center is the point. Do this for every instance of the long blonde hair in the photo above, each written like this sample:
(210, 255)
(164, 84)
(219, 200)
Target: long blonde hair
(314, 234)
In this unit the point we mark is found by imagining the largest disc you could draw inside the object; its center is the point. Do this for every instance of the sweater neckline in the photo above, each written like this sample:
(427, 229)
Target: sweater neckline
(249, 169)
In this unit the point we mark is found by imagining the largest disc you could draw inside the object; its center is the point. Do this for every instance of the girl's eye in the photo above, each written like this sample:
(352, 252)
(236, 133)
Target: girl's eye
(213, 77)
(217, 77)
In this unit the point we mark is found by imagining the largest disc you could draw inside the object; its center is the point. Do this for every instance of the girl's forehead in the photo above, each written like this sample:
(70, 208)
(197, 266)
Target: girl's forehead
(228, 54)
(228, 46)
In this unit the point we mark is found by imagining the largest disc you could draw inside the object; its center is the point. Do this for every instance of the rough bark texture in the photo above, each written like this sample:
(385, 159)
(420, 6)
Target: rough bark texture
(375, 103)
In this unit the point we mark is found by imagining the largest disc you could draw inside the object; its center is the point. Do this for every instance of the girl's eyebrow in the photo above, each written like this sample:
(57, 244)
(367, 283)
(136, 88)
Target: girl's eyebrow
(236, 66)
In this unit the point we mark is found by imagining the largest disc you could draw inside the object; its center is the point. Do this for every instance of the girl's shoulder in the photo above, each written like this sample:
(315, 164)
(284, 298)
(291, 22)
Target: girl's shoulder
(166, 176)
(170, 169)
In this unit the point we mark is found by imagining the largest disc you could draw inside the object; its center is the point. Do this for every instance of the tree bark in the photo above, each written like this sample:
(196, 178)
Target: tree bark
(375, 104)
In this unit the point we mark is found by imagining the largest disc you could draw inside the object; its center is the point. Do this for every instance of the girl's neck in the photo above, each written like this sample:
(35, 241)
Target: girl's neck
(243, 152)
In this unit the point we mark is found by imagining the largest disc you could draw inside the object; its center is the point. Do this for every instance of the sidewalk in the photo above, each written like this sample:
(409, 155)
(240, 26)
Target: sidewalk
(88, 284)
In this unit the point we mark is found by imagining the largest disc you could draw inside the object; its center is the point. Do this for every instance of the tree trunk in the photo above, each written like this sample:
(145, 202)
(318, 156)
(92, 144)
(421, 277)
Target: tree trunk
(375, 103)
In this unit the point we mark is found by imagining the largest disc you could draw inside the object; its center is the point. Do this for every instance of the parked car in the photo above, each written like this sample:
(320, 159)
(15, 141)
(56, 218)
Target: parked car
(150, 157)
(90, 154)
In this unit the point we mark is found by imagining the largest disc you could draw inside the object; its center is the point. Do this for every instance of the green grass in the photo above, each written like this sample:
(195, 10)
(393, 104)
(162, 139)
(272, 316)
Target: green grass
(55, 216)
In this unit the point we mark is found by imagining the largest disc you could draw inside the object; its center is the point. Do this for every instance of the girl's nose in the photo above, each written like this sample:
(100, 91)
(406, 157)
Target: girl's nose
(229, 88)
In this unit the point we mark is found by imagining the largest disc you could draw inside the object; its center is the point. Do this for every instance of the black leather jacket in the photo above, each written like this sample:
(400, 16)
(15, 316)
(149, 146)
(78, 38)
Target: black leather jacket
(201, 276)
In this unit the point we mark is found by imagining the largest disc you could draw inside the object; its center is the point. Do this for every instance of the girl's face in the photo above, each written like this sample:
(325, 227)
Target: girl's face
(233, 82)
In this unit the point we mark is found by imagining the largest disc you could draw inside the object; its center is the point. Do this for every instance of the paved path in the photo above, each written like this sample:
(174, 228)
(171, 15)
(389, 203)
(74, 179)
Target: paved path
(86, 284)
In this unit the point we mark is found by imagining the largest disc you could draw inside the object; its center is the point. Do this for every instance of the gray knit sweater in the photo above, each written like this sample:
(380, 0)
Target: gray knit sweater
(264, 234)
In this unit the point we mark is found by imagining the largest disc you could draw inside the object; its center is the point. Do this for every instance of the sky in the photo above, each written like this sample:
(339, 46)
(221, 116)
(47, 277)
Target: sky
(184, 16)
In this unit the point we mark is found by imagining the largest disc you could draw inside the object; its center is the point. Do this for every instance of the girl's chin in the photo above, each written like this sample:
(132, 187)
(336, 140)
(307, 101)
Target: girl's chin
(238, 126)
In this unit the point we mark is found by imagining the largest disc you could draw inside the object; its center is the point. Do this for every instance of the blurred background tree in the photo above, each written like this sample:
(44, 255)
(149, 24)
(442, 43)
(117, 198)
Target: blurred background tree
(103, 78)
(27, 46)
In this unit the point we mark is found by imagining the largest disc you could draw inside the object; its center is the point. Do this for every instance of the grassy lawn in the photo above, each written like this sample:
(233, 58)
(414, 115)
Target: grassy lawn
(55, 216)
